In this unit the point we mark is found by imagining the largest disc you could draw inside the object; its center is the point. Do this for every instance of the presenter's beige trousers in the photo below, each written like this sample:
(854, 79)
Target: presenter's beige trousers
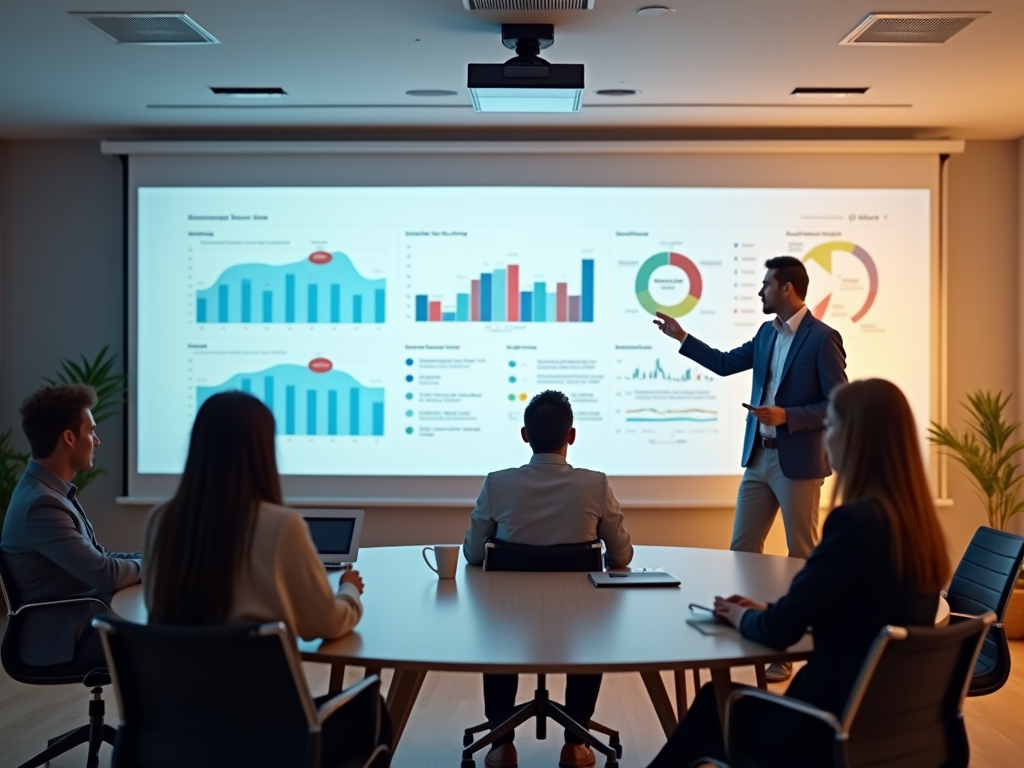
(762, 491)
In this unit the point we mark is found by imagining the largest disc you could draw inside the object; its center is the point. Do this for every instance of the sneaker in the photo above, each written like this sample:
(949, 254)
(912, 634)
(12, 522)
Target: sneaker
(779, 671)
(576, 756)
(502, 756)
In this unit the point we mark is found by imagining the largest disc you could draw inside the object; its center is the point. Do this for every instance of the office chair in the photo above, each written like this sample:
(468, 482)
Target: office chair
(905, 710)
(221, 695)
(95, 732)
(984, 581)
(506, 556)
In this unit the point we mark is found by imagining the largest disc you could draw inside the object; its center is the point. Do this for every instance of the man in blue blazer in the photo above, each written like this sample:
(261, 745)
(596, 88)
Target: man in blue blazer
(797, 361)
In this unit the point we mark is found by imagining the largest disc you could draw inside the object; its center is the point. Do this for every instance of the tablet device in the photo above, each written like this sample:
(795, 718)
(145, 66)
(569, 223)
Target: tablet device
(335, 534)
(633, 579)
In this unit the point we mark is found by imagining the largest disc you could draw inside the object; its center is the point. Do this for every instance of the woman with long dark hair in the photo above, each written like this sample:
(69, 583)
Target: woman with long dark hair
(882, 560)
(224, 550)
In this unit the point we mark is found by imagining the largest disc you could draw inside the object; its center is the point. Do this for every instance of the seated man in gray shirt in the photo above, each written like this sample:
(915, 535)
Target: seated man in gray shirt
(543, 503)
(48, 543)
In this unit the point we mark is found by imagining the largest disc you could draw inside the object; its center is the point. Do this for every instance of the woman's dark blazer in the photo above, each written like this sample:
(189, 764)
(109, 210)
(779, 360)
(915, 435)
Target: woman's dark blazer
(845, 594)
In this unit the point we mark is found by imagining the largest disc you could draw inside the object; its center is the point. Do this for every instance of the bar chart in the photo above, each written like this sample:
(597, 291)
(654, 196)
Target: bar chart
(323, 288)
(310, 402)
(502, 296)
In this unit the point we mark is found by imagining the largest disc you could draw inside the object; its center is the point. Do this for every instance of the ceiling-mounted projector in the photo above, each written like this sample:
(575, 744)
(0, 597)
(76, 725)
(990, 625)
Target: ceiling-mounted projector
(526, 82)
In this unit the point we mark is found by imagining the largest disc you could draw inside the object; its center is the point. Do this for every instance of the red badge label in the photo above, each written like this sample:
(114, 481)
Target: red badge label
(320, 257)
(320, 365)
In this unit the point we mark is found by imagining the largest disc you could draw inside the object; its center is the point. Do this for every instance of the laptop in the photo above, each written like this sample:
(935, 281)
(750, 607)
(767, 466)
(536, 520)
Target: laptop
(335, 534)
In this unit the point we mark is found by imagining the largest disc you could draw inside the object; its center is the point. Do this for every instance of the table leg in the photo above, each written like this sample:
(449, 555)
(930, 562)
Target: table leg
(405, 687)
(721, 678)
(337, 682)
(680, 678)
(659, 698)
(762, 678)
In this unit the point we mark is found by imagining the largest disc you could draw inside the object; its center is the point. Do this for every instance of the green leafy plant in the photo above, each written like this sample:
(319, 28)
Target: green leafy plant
(985, 450)
(110, 388)
(12, 464)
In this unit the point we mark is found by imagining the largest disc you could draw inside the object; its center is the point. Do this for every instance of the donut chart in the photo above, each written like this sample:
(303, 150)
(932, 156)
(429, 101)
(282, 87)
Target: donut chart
(666, 259)
(823, 255)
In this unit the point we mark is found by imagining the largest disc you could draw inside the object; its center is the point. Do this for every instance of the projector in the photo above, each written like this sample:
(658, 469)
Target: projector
(526, 82)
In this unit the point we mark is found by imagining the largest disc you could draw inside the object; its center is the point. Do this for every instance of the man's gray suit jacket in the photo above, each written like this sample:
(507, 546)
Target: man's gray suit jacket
(51, 553)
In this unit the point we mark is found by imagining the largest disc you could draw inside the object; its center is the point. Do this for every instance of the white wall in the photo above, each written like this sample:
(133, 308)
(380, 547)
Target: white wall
(61, 294)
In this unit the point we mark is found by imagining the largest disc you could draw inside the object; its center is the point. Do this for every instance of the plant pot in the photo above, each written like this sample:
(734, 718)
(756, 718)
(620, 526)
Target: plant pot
(1014, 621)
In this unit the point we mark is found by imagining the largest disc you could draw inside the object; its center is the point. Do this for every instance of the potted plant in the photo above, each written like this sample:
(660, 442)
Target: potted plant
(986, 451)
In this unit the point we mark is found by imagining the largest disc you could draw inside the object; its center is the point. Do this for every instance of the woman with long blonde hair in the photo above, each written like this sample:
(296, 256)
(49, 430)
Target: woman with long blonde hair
(882, 560)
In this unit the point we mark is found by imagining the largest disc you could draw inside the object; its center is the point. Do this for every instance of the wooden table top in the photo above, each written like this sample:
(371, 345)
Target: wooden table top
(544, 622)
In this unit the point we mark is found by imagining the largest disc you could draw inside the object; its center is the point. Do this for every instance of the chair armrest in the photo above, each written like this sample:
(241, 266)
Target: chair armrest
(335, 703)
(49, 603)
(956, 618)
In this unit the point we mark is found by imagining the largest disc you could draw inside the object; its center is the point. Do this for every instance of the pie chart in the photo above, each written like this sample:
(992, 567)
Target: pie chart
(823, 255)
(643, 284)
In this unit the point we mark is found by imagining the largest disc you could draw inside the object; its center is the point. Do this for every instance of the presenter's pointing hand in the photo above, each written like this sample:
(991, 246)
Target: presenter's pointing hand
(670, 327)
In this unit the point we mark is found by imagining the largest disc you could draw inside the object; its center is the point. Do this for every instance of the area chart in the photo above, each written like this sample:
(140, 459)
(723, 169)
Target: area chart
(324, 288)
(311, 400)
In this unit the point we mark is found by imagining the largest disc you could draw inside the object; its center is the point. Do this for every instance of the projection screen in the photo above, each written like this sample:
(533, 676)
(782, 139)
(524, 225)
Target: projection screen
(397, 307)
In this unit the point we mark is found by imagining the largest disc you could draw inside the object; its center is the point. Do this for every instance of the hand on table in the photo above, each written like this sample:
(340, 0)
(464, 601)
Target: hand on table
(770, 415)
(670, 327)
(352, 577)
(731, 609)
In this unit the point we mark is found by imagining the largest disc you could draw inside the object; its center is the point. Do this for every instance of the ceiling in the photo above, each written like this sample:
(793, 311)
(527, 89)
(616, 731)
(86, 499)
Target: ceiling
(714, 67)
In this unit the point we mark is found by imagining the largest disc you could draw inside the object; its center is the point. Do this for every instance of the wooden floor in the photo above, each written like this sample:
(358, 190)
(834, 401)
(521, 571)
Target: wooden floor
(450, 702)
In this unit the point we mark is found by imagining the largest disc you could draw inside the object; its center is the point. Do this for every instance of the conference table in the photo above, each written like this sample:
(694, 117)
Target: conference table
(502, 622)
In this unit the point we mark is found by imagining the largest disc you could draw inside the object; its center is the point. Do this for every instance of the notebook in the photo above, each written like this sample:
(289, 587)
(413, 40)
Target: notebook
(633, 579)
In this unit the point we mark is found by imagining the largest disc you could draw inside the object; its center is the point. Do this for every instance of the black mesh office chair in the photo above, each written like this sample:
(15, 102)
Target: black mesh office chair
(71, 673)
(905, 710)
(505, 556)
(221, 695)
(984, 581)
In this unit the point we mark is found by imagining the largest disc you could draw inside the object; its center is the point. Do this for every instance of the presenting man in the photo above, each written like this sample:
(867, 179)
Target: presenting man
(48, 543)
(543, 503)
(797, 360)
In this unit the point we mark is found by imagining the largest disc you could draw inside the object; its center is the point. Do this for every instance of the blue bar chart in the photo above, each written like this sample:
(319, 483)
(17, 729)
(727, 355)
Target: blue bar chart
(323, 288)
(310, 402)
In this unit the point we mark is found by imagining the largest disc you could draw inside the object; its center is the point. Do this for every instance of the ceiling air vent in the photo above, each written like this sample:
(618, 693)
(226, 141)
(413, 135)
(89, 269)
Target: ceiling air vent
(909, 28)
(528, 5)
(148, 28)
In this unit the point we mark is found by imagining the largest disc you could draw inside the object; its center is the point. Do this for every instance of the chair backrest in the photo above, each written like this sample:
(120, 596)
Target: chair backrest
(985, 577)
(905, 709)
(502, 555)
(205, 696)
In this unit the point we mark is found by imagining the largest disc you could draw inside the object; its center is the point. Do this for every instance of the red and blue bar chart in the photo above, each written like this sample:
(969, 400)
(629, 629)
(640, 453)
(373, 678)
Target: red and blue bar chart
(498, 296)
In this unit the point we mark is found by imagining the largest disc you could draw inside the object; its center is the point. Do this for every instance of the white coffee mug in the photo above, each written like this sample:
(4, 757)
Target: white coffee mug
(447, 558)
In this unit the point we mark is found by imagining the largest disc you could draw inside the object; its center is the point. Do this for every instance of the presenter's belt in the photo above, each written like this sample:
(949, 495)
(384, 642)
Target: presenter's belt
(767, 442)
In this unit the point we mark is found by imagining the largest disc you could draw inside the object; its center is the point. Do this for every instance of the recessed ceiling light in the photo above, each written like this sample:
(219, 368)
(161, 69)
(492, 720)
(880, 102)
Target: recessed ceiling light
(430, 92)
(654, 10)
(836, 93)
(250, 93)
(617, 92)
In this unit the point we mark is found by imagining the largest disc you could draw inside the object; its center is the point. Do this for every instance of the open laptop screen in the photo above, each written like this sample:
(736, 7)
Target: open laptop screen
(332, 535)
